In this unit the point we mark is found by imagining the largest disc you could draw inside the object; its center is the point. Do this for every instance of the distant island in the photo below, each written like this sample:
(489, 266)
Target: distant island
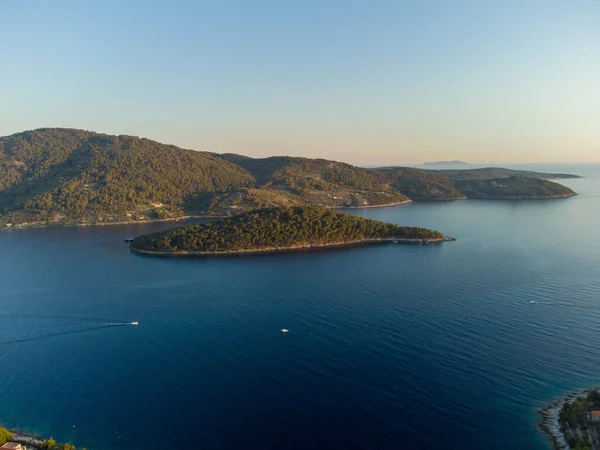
(573, 422)
(57, 176)
(279, 229)
(444, 164)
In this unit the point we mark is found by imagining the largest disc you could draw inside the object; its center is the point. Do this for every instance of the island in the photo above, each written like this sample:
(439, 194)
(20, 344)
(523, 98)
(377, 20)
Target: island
(573, 421)
(276, 230)
(69, 177)
(444, 164)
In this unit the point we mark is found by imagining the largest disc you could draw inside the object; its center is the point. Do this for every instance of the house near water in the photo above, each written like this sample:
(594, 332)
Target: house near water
(593, 416)
(14, 446)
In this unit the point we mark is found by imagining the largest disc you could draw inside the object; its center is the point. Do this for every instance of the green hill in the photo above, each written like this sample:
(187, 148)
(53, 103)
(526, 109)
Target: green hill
(320, 182)
(277, 229)
(71, 175)
(65, 176)
(420, 184)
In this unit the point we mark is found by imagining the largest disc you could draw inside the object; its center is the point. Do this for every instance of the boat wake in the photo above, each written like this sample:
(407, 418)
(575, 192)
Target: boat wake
(83, 319)
(62, 330)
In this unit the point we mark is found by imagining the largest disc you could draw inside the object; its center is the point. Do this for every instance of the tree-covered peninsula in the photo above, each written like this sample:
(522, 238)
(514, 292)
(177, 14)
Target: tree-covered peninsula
(276, 229)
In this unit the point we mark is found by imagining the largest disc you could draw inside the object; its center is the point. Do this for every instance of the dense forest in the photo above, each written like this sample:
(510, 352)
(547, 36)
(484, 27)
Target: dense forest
(276, 228)
(65, 176)
(55, 175)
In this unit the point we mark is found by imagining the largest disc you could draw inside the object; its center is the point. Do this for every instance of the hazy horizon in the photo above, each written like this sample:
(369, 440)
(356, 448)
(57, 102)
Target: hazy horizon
(368, 83)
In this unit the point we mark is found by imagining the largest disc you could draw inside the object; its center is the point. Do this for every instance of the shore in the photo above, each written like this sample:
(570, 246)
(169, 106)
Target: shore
(27, 439)
(188, 217)
(128, 222)
(550, 424)
(386, 205)
(22, 437)
(295, 248)
(177, 219)
(548, 197)
(438, 199)
(31, 441)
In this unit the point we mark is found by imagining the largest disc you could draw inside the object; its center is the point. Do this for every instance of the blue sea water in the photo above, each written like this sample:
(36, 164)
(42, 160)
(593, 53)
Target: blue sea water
(393, 346)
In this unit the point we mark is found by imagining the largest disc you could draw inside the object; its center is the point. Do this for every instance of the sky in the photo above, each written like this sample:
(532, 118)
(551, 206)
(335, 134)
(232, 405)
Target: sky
(366, 82)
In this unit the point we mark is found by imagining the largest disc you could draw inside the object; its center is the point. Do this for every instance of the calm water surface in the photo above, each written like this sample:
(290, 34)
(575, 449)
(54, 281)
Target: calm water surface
(424, 347)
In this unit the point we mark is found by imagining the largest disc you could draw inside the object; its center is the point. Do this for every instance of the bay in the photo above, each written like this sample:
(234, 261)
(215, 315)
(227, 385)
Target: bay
(393, 346)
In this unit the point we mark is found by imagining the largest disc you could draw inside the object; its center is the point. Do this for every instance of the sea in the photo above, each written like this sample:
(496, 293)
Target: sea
(389, 346)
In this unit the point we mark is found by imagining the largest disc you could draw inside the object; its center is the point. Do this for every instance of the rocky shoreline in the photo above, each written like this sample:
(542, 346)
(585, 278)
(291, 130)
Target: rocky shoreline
(550, 424)
(543, 197)
(34, 442)
(108, 224)
(438, 199)
(28, 439)
(268, 250)
(385, 205)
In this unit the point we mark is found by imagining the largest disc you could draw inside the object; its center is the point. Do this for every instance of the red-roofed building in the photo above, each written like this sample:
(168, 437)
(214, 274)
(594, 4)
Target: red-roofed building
(14, 446)
(593, 416)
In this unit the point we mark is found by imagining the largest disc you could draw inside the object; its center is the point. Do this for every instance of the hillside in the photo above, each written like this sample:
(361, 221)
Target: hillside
(61, 175)
(67, 177)
(277, 229)
(420, 184)
(320, 182)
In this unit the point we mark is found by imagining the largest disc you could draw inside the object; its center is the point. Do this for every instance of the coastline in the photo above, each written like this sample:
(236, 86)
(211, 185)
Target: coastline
(386, 205)
(550, 424)
(129, 222)
(27, 439)
(177, 219)
(23, 437)
(268, 250)
(438, 199)
(548, 197)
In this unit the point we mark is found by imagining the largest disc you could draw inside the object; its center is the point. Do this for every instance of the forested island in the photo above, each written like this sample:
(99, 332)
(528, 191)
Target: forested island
(57, 176)
(278, 229)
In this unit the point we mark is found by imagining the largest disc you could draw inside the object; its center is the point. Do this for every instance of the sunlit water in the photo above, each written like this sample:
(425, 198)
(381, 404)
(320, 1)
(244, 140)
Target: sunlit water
(394, 346)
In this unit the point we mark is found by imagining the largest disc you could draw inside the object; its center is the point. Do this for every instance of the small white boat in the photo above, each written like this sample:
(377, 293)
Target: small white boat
(128, 240)
(533, 302)
(135, 323)
(284, 330)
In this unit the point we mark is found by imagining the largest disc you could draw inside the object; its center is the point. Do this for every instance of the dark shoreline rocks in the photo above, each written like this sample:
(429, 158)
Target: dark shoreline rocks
(550, 424)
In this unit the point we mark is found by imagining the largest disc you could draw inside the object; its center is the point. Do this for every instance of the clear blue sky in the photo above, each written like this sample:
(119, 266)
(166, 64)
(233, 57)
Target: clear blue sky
(367, 82)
